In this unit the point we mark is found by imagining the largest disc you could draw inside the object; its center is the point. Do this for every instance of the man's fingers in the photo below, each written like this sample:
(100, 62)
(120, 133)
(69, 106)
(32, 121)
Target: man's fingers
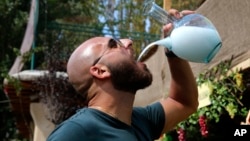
(175, 13)
(178, 15)
(186, 12)
(167, 28)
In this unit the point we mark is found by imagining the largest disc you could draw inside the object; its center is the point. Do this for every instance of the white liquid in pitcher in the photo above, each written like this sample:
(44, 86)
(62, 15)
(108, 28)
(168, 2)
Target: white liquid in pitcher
(195, 43)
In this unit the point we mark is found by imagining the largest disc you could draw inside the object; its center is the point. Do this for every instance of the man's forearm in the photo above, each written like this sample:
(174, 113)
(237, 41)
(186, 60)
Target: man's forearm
(183, 84)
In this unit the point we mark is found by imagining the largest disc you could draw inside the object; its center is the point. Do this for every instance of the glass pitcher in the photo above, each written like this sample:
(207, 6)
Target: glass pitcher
(193, 38)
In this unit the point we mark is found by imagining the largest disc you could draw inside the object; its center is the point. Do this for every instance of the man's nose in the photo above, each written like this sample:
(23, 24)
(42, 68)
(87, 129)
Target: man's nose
(127, 43)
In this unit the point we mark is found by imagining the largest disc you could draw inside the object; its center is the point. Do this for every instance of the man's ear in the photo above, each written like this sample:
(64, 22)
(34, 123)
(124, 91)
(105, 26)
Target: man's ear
(100, 71)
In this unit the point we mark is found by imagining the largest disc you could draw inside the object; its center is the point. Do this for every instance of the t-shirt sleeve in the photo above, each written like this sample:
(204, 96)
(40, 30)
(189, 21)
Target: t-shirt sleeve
(152, 118)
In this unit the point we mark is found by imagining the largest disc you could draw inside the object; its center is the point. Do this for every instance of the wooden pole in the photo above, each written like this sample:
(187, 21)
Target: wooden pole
(167, 4)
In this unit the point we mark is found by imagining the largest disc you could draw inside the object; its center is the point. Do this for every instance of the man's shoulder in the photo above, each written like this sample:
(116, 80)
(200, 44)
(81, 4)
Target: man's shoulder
(148, 108)
(83, 116)
(82, 119)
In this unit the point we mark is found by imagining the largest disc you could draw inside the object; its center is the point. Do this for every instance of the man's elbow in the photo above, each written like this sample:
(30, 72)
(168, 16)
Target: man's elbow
(193, 107)
(194, 103)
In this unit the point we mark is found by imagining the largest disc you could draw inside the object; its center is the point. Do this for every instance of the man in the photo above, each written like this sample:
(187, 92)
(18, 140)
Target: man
(103, 70)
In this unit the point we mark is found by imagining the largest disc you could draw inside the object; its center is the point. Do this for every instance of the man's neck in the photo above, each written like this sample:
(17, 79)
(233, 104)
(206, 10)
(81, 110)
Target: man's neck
(118, 105)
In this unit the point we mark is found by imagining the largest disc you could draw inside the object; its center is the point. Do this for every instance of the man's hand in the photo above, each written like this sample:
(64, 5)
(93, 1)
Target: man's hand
(173, 12)
(168, 27)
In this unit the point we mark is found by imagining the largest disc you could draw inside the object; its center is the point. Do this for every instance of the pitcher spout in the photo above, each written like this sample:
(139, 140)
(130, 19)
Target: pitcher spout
(166, 42)
(149, 50)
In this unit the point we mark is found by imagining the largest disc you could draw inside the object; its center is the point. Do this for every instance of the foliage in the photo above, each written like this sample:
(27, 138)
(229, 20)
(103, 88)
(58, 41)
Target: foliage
(187, 4)
(226, 108)
(13, 17)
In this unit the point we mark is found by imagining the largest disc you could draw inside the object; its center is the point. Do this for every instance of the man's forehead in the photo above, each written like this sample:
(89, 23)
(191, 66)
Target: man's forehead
(99, 40)
(94, 46)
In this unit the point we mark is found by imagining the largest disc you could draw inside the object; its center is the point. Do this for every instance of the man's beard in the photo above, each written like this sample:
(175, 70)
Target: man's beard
(127, 76)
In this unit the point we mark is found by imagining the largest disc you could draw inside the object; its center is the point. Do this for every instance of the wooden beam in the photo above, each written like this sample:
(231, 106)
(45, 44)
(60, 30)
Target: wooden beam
(167, 4)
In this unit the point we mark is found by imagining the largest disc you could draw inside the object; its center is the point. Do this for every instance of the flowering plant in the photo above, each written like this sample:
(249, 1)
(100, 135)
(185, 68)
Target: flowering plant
(227, 108)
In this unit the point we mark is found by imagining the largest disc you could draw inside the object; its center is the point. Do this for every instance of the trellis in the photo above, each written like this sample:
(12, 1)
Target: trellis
(89, 30)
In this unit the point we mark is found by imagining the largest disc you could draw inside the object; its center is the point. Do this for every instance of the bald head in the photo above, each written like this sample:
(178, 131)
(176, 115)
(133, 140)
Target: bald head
(81, 60)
